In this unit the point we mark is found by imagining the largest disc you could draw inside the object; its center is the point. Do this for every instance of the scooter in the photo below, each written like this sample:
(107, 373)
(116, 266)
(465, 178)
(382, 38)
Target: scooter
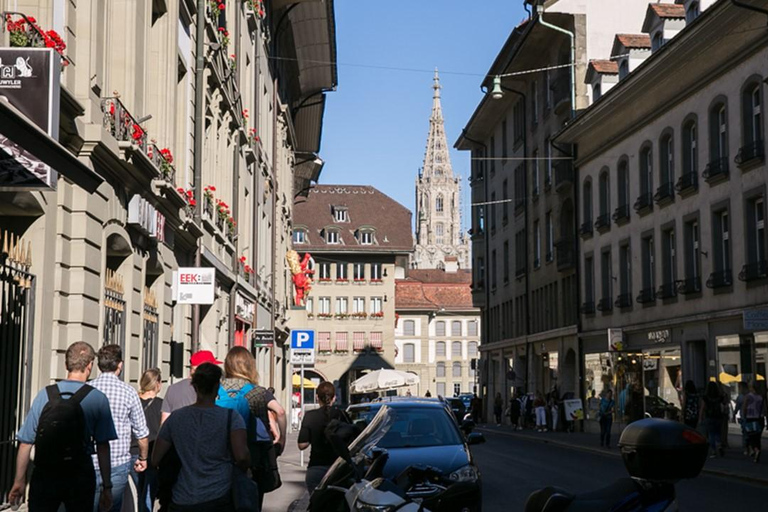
(657, 453)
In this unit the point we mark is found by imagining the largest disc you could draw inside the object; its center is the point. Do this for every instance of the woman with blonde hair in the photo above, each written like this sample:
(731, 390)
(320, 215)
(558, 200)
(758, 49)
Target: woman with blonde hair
(146, 482)
(240, 390)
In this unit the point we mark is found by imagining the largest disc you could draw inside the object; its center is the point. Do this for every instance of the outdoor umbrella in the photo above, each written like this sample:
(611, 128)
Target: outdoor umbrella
(308, 384)
(383, 380)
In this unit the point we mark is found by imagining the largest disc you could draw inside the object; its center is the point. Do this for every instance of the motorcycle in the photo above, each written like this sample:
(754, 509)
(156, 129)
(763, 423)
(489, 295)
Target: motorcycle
(657, 453)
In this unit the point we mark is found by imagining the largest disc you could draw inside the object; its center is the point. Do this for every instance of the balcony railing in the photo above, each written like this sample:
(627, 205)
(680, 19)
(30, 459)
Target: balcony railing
(720, 279)
(603, 222)
(124, 127)
(667, 290)
(520, 271)
(664, 193)
(752, 152)
(644, 202)
(621, 214)
(605, 304)
(563, 175)
(586, 228)
(688, 182)
(754, 271)
(646, 296)
(588, 308)
(716, 170)
(624, 300)
(689, 286)
(566, 254)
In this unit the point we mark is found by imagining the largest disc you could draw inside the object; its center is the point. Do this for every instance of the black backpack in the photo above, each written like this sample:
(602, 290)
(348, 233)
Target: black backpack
(61, 438)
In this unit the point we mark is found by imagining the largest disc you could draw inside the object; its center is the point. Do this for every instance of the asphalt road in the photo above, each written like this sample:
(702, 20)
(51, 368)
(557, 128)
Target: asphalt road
(512, 468)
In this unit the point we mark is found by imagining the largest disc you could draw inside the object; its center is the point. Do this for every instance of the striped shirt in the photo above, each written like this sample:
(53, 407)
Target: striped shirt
(127, 414)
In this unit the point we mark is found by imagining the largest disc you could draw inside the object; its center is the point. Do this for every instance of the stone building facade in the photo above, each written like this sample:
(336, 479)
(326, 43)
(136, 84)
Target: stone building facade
(360, 240)
(439, 231)
(438, 330)
(159, 168)
(523, 217)
(672, 186)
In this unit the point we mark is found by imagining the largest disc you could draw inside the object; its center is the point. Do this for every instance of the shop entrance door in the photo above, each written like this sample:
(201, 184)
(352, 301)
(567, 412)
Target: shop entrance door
(663, 383)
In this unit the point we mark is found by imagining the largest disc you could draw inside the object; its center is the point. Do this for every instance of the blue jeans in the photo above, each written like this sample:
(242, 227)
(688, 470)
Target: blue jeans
(119, 482)
(606, 422)
(713, 432)
(146, 486)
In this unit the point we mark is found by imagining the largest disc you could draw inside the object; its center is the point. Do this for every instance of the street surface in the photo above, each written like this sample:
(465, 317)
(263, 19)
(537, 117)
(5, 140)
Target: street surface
(513, 467)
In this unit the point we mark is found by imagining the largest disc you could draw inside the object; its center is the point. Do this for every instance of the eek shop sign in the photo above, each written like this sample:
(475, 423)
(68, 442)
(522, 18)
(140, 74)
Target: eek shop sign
(195, 285)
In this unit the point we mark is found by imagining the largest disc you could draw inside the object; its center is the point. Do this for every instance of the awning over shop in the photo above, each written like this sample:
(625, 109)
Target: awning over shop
(18, 128)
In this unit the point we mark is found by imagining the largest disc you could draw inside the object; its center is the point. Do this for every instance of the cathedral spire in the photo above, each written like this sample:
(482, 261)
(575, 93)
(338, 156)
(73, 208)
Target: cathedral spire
(437, 161)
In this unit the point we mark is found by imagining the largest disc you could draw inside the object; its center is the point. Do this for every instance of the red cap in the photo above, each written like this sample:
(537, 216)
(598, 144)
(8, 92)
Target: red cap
(203, 356)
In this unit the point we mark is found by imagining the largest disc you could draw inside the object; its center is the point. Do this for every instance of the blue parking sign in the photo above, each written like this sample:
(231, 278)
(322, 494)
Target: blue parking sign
(302, 339)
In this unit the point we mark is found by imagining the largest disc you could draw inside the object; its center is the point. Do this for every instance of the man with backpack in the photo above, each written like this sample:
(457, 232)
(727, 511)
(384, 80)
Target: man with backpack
(63, 424)
(129, 420)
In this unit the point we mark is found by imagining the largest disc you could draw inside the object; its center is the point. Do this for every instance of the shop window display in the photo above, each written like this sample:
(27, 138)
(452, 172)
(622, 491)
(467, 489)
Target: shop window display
(620, 372)
(742, 359)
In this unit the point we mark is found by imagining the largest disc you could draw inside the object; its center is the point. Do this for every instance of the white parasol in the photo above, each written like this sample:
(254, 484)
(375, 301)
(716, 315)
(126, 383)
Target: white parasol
(383, 380)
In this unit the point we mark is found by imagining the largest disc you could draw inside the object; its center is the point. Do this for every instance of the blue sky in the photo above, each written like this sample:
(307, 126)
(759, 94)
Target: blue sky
(376, 123)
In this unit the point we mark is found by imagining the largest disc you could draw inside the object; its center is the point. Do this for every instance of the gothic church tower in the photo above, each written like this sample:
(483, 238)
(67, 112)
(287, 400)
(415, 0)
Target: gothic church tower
(438, 221)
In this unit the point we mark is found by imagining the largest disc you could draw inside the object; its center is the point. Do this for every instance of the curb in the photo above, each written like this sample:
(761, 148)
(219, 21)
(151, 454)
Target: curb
(763, 482)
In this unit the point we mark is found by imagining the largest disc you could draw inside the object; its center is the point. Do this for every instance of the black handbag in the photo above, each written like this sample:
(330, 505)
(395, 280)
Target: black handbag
(264, 466)
(245, 492)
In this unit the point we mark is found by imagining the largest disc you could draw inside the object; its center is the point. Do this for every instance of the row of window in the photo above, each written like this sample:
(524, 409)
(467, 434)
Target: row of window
(409, 354)
(323, 271)
(341, 341)
(669, 284)
(342, 305)
(687, 181)
(409, 328)
(332, 236)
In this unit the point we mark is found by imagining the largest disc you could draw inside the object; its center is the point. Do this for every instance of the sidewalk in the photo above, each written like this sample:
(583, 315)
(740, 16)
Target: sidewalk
(734, 465)
(292, 496)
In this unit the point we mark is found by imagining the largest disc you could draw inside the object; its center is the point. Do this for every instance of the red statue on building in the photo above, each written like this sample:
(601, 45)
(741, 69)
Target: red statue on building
(302, 276)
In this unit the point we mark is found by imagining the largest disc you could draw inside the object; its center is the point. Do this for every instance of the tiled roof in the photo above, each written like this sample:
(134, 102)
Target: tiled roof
(634, 40)
(608, 67)
(434, 290)
(668, 10)
(366, 207)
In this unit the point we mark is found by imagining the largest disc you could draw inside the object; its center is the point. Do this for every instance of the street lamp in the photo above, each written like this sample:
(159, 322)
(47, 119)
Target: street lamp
(496, 92)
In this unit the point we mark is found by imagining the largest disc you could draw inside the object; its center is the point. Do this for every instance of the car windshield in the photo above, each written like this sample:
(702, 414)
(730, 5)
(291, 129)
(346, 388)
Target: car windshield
(407, 427)
(362, 416)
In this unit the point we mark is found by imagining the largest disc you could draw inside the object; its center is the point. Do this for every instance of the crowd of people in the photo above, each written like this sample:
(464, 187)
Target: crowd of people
(183, 452)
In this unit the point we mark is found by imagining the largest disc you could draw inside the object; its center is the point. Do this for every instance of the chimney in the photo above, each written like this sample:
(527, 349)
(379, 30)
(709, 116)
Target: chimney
(451, 264)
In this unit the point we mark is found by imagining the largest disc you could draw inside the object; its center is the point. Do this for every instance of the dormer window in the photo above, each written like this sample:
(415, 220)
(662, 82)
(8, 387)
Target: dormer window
(299, 236)
(623, 68)
(596, 91)
(692, 12)
(340, 214)
(365, 237)
(658, 41)
(332, 237)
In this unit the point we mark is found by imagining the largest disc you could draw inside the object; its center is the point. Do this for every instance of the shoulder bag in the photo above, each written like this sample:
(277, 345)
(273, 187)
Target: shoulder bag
(245, 492)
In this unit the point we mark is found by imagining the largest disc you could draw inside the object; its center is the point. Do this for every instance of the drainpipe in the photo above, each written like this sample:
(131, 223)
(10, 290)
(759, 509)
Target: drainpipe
(197, 157)
(274, 233)
(527, 279)
(738, 3)
(540, 18)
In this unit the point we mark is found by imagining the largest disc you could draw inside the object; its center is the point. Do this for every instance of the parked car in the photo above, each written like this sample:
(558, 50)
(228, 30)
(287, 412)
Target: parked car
(411, 432)
(466, 398)
(457, 408)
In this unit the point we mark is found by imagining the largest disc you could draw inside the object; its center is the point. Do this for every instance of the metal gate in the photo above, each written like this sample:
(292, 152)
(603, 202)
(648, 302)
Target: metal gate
(17, 299)
(149, 349)
(114, 310)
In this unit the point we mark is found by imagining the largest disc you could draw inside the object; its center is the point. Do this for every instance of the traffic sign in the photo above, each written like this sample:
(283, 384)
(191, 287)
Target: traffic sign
(302, 347)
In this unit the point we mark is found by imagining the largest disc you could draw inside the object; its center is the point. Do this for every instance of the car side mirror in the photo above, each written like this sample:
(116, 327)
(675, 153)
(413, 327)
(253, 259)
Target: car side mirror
(475, 438)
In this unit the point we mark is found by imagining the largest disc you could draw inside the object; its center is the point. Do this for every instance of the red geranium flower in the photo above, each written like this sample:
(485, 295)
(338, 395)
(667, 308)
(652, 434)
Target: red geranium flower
(192, 202)
(180, 190)
(242, 259)
(221, 6)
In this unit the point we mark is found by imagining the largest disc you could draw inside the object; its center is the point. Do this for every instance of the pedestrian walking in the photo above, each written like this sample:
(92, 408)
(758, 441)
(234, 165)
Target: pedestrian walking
(605, 416)
(738, 415)
(240, 390)
(690, 404)
(753, 412)
(554, 409)
(64, 423)
(712, 415)
(540, 408)
(475, 405)
(211, 443)
(498, 405)
(427, 394)
(130, 423)
(146, 481)
(312, 434)
(182, 393)
(635, 408)
(514, 411)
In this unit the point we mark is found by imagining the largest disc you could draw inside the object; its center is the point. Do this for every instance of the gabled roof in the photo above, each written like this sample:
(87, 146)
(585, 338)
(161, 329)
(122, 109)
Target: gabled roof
(663, 12)
(628, 41)
(366, 207)
(605, 67)
(415, 295)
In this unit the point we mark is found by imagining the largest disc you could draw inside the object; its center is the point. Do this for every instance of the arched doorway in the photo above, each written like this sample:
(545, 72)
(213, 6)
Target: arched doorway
(568, 373)
(118, 249)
